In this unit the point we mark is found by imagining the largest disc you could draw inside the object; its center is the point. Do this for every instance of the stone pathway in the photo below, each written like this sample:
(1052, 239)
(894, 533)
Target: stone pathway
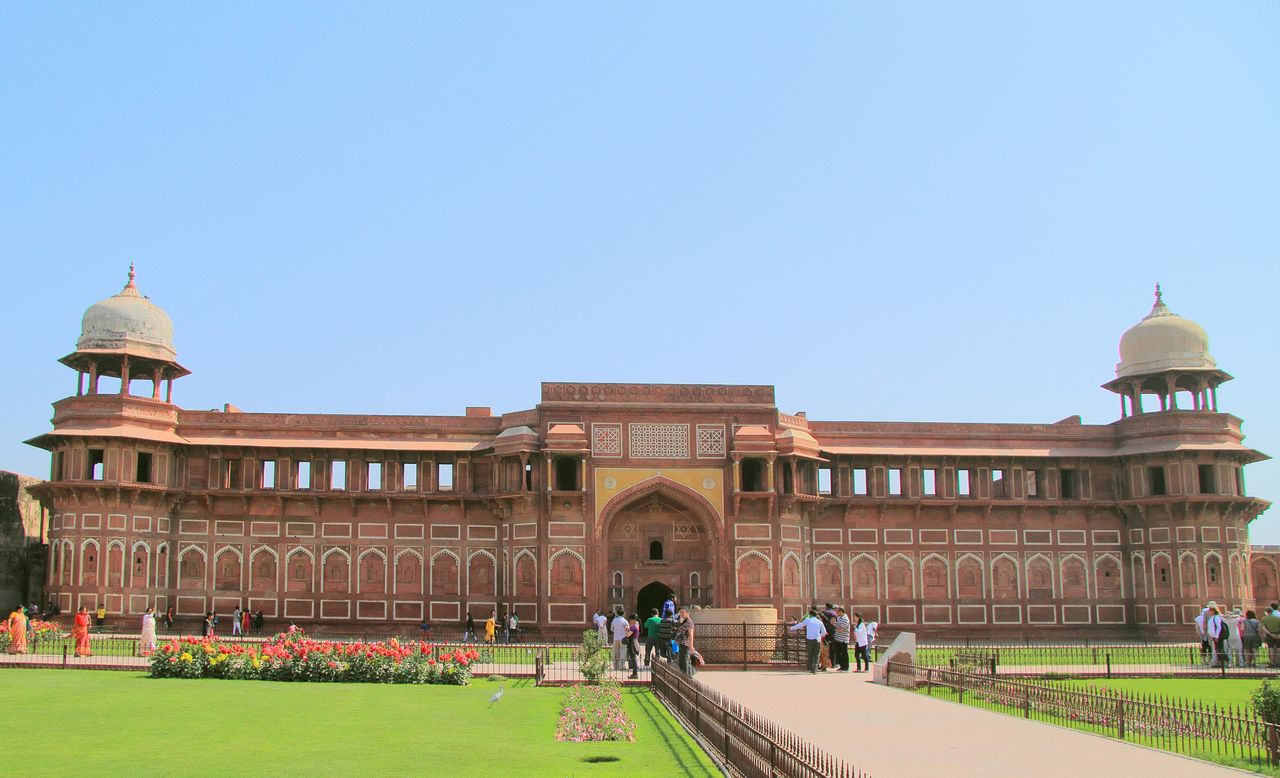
(890, 732)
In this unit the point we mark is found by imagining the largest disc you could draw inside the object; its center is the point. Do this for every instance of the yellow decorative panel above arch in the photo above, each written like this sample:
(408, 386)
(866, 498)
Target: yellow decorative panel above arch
(706, 481)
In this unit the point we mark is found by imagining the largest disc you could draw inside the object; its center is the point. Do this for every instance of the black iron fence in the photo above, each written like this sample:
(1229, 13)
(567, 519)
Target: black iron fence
(1228, 734)
(1101, 661)
(746, 743)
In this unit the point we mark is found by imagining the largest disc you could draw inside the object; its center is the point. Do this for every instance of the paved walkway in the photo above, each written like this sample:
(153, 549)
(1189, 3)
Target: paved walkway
(891, 732)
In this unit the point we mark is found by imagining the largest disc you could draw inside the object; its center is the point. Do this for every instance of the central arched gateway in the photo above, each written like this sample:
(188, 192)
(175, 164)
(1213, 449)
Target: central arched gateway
(659, 536)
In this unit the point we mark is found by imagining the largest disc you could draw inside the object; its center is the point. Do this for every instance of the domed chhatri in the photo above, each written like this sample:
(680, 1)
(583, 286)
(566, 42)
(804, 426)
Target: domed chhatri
(127, 322)
(1166, 355)
(1162, 341)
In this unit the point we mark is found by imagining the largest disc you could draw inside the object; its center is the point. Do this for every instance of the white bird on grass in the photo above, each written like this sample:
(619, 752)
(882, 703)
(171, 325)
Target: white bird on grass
(497, 696)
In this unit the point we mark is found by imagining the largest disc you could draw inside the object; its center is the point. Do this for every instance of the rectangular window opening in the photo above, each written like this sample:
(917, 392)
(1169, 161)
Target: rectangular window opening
(304, 475)
(268, 474)
(997, 483)
(1155, 477)
(338, 475)
(95, 464)
(753, 475)
(1068, 489)
(1206, 479)
(142, 474)
(962, 483)
(1034, 487)
(410, 471)
(895, 482)
(929, 482)
(528, 477)
(444, 476)
(824, 480)
(231, 474)
(860, 481)
(373, 476)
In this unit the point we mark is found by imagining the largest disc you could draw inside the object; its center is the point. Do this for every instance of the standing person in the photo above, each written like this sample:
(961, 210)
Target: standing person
(1235, 642)
(425, 629)
(602, 626)
(813, 634)
(651, 627)
(168, 618)
(80, 632)
(17, 631)
(1250, 637)
(1202, 634)
(208, 624)
(258, 620)
(147, 641)
(506, 627)
(245, 621)
(491, 628)
(840, 641)
(669, 606)
(633, 645)
(469, 631)
(684, 629)
(513, 628)
(101, 616)
(1215, 629)
(620, 629)
(827, 615)
(861, 641)
(235, 622)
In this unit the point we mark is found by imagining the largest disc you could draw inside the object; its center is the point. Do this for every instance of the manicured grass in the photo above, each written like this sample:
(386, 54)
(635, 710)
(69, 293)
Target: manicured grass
(1221, 750)
(118, 723)
(1218, 691)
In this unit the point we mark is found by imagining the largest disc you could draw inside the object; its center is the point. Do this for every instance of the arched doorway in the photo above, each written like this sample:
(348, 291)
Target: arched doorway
(659, 538)
(650, 597)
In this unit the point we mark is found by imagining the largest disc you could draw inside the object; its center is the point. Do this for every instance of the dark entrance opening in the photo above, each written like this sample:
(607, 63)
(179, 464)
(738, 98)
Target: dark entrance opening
(651, 596)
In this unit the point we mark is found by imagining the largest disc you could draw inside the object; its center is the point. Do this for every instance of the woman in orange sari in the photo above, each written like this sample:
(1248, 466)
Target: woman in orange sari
(80, 632)
(17, 631)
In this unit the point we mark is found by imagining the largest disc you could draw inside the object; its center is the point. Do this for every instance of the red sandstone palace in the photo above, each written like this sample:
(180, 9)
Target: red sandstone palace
(608, 494)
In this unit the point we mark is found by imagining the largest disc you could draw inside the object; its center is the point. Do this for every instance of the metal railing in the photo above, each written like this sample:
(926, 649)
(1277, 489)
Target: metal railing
(1101, 661)
(1228, 734)
(746, 743)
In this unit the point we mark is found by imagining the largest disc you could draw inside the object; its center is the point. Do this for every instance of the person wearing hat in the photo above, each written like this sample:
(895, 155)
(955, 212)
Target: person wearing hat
(1202, 624)
(1235, 642)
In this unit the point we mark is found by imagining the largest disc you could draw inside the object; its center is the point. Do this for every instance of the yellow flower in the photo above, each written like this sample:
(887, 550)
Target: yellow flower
(185, 657)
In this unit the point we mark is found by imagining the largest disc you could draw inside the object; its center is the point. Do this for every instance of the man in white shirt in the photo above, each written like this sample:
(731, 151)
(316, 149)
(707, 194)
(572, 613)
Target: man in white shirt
(1202, 625)
(235, 621)
(814, 632)
(602, 626)
(620, 628)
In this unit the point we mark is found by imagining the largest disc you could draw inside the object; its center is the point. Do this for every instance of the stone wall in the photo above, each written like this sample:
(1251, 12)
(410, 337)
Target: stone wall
(22, 540)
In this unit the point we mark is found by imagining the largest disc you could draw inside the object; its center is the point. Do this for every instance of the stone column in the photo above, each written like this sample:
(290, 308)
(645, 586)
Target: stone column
(1214, 394)
(124, 375)
(168, 390)
(155, 384)
(93, 378)
(1171, 389)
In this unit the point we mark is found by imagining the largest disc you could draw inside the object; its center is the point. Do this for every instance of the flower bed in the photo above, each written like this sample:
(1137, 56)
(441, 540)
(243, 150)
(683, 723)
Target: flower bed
(36, 630)
(594, 713)
(298, 658)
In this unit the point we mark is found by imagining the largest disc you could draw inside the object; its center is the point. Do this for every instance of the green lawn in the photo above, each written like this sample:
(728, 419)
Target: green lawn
(117, 722)
(1218, 691)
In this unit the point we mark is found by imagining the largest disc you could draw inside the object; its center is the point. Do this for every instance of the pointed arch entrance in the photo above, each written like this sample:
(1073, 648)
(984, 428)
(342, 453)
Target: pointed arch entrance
(659, 537)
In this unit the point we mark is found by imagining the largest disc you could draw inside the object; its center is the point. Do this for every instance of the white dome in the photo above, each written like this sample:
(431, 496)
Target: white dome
(1162, 341)
(127, 322)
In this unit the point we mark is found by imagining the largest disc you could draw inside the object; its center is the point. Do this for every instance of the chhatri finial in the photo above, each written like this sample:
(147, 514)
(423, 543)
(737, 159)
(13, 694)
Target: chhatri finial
(1159, 294)
(130, 289)
(1158, 308)
(133, 275)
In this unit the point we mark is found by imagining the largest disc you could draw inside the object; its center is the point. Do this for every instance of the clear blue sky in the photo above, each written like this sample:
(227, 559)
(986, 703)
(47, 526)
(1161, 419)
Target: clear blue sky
(926, 211)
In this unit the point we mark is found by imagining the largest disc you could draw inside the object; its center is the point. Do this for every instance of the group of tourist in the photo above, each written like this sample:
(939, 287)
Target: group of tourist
(1229, 638)
(828, 632)
(667, 633)
(510, 628)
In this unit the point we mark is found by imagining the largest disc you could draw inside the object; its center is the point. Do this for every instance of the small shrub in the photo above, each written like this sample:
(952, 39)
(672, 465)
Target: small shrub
(1266, 702)
(593, 658)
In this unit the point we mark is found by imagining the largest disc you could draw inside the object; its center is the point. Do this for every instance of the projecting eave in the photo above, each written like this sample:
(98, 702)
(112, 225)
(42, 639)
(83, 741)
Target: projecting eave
(1245, 453)
(46, 440)
(346, 444)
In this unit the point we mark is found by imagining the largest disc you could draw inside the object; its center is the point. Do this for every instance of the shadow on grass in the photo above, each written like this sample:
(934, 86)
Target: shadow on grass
(679, 743)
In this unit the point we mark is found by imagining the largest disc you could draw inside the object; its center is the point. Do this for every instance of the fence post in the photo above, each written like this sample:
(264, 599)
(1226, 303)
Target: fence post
(1026, 701)
(889, 668)
(993, 665)
(1120, 717)
(1273, 744)
(744, 645)
(64, 656)
(1108, 664)
(960, 686)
